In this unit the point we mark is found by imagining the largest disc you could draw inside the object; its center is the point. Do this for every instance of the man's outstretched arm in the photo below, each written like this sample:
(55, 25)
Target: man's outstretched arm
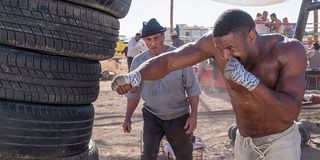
(159, 66)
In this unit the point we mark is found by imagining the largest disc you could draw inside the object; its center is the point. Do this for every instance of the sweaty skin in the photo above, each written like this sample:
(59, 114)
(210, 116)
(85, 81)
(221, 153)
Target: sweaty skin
(279, 63)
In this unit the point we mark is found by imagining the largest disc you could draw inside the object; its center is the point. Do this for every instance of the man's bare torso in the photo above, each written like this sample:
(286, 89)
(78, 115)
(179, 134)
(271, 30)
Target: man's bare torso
(251, 116)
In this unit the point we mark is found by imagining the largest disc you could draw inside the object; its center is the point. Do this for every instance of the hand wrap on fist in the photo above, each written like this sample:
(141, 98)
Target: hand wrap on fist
(235, 71)
(133, 78)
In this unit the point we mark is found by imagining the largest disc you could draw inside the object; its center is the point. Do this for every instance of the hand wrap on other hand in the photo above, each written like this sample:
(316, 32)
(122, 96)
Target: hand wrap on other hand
(236, 72)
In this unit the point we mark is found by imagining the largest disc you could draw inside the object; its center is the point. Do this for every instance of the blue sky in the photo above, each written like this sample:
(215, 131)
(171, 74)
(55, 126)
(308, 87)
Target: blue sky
(195, 12)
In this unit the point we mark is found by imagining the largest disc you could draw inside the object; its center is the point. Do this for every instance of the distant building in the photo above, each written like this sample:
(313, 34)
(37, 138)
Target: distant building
(188, 33)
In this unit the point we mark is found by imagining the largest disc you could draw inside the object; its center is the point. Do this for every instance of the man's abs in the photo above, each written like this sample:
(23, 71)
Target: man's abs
(257, 128)
(253, 121)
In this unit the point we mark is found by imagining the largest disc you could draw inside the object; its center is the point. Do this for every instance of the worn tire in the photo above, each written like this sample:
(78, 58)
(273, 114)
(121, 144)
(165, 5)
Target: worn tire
(232, 132)
(44, 131)
(304, 132)
(58, 28)
(91, 153)
(38, 78)
(117, 8)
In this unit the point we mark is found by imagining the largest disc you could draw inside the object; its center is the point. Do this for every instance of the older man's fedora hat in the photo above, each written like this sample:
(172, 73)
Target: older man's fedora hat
(151, 27)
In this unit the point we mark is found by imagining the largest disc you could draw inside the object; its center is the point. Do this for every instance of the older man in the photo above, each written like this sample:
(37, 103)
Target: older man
(170, 103)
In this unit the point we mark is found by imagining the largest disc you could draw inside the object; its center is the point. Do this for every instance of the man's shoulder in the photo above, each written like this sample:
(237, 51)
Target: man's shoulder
(290, 44)
(289, 50)
(142, 56)
(277, 42)
(170, 48)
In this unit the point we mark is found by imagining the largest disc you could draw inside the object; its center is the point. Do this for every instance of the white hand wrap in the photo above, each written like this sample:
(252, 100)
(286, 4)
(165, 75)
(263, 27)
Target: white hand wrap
(235, 71)
(133, 78)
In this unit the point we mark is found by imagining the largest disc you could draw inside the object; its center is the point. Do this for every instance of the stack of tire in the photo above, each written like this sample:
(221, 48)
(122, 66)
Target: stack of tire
(49, 75)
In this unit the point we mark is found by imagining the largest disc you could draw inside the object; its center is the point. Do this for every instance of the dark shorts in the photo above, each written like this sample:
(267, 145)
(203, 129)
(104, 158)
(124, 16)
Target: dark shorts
(153, 131)
(129, 61)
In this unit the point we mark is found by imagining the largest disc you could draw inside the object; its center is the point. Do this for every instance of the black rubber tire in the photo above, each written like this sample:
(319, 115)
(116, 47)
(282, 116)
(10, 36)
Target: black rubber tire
(58, 28)
(39, 131)
(304, 132)
(92, 153)
(117, 8)
(232, 132)
(38, 78)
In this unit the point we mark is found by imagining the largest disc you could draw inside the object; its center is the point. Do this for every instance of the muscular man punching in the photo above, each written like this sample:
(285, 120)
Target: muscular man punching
(264, 77)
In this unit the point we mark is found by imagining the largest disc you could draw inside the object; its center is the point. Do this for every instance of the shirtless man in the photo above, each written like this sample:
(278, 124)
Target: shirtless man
(264, 78)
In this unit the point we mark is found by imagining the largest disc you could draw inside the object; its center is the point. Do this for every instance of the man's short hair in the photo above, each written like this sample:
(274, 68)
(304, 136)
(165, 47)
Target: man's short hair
(273, 15)
(138, 34)
(233, 21)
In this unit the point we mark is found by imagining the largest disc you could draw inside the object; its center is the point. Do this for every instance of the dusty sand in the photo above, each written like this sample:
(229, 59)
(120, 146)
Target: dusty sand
(214, 118)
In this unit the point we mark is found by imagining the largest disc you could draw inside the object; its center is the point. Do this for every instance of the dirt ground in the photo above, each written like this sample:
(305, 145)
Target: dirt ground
(214, 118)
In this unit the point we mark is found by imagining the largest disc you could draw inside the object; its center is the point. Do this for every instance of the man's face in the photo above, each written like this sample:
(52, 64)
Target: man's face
(137, 38)
(233, 45)
(265, 14)
(155, 43)
(273, 18)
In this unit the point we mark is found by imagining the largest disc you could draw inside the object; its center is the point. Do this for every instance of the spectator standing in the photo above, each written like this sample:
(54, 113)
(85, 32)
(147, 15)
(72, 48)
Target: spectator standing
(314, 56)
(202, 66)
(176, 41)
(135, 46)
(263, 23)
(275, 23)
(258, 19)
(287, 27)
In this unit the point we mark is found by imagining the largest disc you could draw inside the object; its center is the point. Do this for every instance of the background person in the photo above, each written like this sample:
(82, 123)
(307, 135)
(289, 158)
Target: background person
(314, 56)
(170, 103)
(176, 41)
(275, 23)
(287, 27)
(258, 19)
(263, 23)
(135, 46)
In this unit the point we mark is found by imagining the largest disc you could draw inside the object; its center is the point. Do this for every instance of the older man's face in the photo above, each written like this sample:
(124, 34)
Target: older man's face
(155, 43)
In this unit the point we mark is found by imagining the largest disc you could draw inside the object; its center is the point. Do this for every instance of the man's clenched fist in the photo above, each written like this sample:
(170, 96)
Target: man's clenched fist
(122, 83)
(235, 71)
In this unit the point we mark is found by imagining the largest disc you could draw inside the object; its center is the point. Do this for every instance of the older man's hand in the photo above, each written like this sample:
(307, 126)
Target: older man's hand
(123, 83)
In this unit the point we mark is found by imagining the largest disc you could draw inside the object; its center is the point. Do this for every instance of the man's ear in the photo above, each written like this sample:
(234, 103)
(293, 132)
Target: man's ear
(252, 36)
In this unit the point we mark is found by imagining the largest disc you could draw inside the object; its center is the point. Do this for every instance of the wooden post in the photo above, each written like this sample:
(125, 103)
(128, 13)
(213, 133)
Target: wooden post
(171, 16)
(302, 20)
(315, 23)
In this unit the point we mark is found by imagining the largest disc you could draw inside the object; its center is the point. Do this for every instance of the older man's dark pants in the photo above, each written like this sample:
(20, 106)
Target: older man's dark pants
(129, 61)
(153, 131)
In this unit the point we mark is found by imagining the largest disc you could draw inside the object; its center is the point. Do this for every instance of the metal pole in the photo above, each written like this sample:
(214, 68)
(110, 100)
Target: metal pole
(315, 23)
(171, 16)
(302, 20)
